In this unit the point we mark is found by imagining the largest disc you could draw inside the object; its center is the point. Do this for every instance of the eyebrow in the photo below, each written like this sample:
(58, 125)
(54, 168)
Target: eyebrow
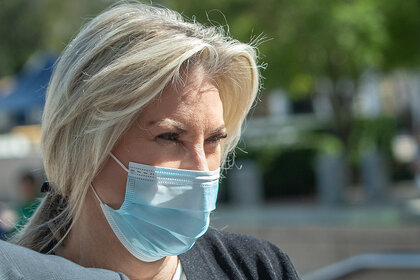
(217, 130)
(168, 122)
(179, 126)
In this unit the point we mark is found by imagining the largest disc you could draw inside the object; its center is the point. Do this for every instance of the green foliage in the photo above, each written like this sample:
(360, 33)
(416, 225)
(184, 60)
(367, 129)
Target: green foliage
(319, 38)
(289, 170)
(300, 86)
(302, 41)
(403, 26)
(291, 173)
(305, 38)
(28, 27)
(20, 33)
(371, 134)
(328, 144)
(286, 171)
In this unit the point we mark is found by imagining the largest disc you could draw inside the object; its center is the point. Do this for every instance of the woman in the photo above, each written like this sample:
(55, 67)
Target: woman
(141, 113)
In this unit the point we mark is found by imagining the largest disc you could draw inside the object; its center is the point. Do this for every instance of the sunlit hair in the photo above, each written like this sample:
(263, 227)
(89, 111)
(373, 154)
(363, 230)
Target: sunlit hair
(115, 66)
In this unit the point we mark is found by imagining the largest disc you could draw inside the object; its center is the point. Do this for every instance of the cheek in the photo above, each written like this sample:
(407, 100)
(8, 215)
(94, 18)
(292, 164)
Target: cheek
(157, 154)
(110, 184)
(214, 158)
(213, 163)
(174, 155)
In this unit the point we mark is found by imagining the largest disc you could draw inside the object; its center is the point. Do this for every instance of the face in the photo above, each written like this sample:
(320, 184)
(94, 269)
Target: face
(182, 128)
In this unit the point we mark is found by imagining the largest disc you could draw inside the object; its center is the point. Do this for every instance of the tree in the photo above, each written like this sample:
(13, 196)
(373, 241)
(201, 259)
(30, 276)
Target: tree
(20, 34)
(28, 27)
(316, 40)
(303, 41)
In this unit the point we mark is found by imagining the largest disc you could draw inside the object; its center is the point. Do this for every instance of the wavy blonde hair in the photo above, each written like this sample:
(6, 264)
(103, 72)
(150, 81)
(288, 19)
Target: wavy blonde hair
(114, 67)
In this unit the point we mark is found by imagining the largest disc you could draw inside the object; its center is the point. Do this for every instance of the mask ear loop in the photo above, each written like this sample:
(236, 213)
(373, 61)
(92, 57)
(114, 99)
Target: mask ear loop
(119, 162)
(97, 196)
(123, 167)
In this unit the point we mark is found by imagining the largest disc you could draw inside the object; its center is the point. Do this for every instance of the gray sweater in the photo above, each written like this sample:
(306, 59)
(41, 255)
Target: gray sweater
(17, 262)
(222, 255)
(216, 255)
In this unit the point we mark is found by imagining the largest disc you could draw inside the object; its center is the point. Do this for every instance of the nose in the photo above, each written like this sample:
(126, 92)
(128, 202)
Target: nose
(195, 159)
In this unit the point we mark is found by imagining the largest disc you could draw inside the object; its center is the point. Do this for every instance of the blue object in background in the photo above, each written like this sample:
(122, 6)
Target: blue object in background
(31, 86)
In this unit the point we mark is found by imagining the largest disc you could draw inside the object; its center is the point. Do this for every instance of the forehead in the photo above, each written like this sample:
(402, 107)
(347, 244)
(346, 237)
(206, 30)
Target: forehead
(196, 99)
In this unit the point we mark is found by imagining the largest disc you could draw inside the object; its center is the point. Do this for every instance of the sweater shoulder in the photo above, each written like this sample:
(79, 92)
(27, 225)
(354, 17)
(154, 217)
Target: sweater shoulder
(240, 256)
(240, 241)
(22, 263)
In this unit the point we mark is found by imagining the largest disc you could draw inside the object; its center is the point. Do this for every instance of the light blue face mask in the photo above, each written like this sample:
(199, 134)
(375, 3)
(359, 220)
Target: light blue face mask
(165, 210)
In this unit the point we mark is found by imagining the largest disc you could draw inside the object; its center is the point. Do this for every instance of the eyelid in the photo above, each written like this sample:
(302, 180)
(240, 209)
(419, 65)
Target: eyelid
(217, 137)
(166, 136)
(174, 137)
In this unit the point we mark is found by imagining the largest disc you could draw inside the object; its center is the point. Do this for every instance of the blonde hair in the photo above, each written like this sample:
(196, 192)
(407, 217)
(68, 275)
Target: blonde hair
(115, 66)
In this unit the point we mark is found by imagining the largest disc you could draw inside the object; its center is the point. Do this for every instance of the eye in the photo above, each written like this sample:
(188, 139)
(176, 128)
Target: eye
(170, 136)
(216, 138)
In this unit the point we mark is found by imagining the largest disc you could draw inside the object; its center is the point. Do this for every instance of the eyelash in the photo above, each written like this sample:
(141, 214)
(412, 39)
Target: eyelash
(216, 138)
(172, 136)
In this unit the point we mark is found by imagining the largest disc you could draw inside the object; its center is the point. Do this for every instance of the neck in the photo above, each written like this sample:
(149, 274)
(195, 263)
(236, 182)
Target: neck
(86, 247)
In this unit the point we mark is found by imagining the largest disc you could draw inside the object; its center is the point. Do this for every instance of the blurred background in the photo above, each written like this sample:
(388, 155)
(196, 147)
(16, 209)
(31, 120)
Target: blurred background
(328, 167)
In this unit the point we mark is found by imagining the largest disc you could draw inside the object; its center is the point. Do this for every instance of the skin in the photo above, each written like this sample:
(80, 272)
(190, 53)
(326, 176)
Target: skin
(182, 128)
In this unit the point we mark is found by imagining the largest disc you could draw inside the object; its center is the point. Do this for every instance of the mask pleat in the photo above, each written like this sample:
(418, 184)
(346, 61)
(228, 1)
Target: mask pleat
(165, 210)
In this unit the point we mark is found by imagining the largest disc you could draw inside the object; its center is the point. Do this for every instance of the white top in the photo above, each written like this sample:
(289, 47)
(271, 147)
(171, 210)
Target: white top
(179, 273)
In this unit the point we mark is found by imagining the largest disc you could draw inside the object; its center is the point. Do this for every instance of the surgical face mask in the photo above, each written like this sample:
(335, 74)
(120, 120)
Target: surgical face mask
(165, 210)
